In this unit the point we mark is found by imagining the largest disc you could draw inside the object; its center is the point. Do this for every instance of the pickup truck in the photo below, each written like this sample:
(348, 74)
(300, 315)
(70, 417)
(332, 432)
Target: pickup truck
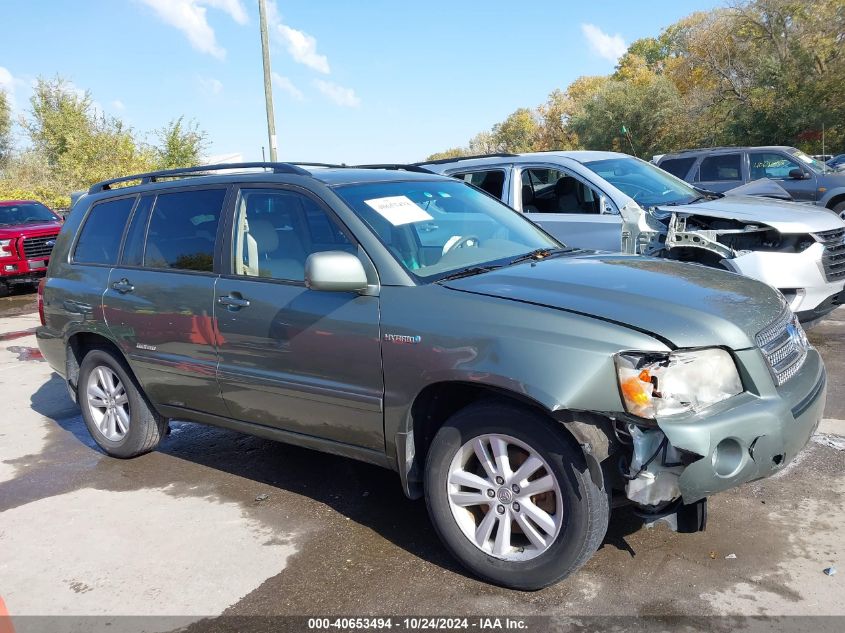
(28, 231)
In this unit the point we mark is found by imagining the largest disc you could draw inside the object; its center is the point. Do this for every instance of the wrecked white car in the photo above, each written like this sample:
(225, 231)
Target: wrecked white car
(614, 202)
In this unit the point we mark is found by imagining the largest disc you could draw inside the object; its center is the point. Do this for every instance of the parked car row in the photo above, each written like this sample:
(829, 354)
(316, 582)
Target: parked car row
(723, 168)
(614, 202)
(412, 320)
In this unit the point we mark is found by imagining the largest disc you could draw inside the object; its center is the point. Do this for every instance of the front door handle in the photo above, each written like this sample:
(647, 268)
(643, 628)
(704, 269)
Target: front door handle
(123, 286)
(428, 228)
(233, 302)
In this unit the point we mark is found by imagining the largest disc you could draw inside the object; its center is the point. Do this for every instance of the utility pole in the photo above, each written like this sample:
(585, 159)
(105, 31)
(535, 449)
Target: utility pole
(268, 84)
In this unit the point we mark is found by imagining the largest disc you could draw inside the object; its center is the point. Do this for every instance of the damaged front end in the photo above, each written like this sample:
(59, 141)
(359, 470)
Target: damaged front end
(653, 480)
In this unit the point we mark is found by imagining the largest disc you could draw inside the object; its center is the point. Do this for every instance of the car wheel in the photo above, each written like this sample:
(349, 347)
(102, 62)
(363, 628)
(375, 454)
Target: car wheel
(115, 410)
(839, 210)
(510, 495)
(4, 289)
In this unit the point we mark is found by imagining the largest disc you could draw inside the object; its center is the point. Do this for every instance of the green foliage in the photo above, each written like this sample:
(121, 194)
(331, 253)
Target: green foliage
(755, 72)
(73, 145)
(5, 127)
(180, 144)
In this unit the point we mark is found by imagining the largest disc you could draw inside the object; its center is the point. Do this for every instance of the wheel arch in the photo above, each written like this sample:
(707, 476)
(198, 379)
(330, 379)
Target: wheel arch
(437, 402)
(79, 344)
(837, 197)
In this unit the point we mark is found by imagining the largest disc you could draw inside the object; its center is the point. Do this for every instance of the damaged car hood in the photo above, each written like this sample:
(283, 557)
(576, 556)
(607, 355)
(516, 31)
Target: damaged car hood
(688, 305)
(786, 217)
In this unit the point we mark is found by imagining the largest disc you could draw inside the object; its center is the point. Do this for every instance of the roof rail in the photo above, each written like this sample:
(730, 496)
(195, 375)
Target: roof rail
(327, 165)
(153, 176)
(395, 166)
(440, 161)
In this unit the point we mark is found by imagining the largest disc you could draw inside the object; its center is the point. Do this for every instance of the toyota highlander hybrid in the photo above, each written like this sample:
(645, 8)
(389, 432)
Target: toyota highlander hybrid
(407, 319)
(614, 202)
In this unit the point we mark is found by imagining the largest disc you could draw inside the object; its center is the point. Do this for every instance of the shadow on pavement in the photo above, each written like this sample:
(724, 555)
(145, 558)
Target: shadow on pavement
(366, 494)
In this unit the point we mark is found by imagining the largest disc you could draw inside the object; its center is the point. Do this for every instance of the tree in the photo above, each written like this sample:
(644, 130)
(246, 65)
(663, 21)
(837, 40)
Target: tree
(180, 144)
(80, 144)
(650, 111)
(519, 132)
(5, 128)
(453, 152)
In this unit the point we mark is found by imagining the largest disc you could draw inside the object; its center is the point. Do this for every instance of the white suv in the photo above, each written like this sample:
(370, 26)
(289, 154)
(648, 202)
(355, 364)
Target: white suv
(615, 202)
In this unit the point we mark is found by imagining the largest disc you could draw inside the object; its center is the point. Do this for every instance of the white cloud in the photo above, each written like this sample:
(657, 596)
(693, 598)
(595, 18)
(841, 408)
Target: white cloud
(233, 7)
(189, 17)
(345, 97)
(7, 82)
(299, 44)
(287, 86)
(117, 104)
(210, 85)
(610, 47)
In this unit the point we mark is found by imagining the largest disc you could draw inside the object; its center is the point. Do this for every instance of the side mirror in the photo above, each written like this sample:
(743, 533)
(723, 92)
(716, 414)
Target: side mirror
(797, 174)
(606, 207)
(335, 271)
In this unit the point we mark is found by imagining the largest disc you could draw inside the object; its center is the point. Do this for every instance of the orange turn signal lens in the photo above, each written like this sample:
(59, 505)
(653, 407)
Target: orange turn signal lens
(632, 389)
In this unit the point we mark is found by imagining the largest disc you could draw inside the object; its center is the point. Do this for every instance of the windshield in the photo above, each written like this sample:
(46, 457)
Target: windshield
(436, 228)
(25, 213)
(812, 163)
(648, 185)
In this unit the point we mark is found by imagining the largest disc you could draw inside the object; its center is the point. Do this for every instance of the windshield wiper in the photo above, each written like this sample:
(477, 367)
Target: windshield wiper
(540, 253)
(469, 272)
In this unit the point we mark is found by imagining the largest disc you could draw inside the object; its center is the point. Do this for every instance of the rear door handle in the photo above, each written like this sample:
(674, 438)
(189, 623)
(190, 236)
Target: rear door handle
(233, 302)
(123, 286)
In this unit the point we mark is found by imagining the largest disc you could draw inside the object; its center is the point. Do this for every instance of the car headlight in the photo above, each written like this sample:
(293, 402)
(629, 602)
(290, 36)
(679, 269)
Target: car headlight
(6, 248)
(658, 384)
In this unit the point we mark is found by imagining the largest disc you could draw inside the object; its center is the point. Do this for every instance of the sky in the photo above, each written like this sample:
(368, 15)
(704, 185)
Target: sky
(365, 81)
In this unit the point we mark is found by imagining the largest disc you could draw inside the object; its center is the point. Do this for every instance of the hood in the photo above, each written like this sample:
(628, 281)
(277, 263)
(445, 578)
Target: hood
(762, 187)
(786, 217)
(42, 228)
(685, 304)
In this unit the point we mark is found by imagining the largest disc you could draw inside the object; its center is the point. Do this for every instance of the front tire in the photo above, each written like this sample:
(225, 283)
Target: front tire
(545, 517)
(115, 410)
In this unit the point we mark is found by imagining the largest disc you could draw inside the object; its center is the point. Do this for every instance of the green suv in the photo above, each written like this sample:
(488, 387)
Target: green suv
(524, 388)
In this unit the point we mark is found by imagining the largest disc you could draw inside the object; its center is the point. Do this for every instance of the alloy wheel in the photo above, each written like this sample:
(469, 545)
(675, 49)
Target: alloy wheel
(108, 403)
(504, 497)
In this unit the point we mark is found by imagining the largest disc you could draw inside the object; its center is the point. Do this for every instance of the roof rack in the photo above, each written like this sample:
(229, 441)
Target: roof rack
(394, 166)
(153, 176)
(440, 161)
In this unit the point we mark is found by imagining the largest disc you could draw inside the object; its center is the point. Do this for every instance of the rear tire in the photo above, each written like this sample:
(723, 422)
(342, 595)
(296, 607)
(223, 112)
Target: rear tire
(534, 539)
(115, 410)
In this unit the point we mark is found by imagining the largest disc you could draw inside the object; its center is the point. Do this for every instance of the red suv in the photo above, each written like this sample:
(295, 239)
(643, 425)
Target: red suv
(28, 233)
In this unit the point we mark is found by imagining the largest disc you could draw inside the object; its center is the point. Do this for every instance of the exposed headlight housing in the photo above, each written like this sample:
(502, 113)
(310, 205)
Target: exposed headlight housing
(658, 384)
(6, 248)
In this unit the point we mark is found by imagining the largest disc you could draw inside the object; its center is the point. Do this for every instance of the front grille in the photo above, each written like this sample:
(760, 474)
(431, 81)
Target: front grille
(35, 247)
(784, 345)
(834, 253)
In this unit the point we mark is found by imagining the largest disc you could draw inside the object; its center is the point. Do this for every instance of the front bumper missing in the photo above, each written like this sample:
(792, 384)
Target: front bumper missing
(752, 436)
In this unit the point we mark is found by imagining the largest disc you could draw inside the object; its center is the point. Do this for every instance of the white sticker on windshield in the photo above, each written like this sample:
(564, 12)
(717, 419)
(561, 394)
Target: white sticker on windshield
(398, 210)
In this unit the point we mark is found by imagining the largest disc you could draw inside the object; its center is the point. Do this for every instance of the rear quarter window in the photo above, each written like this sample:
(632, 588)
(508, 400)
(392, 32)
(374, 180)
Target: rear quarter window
(100, 236)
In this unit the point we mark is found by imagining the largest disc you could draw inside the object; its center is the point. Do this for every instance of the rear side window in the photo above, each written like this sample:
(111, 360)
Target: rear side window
(493, 181)
(99, 240)
(678, 167)
(183, 230)
(721, 167)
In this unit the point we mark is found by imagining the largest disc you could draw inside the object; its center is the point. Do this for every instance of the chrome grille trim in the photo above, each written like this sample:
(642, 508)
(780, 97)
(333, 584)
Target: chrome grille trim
(784, 346)
(833, 259)
(36, 247)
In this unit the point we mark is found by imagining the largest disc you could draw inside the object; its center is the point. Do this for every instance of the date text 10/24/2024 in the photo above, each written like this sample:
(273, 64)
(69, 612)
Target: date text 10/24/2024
(417, 623)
